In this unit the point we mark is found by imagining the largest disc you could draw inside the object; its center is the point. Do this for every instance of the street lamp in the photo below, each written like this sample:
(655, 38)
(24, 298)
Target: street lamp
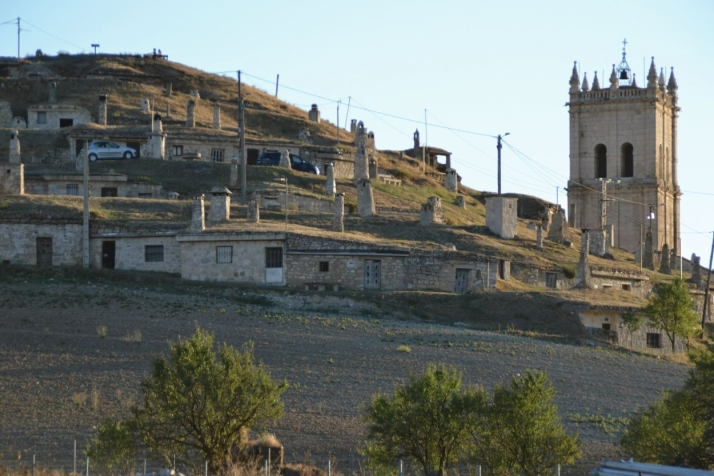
(285, 179)
(498, 146)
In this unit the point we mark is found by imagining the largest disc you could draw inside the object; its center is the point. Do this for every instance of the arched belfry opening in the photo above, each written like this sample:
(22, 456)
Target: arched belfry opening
(600, 161)
(627, 164)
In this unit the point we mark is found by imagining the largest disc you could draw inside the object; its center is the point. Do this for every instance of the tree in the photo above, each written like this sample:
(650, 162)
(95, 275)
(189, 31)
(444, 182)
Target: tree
(426, 420)
(671, 309)
(669, 432)
(199, 404)
(114, 447)
(522, 433)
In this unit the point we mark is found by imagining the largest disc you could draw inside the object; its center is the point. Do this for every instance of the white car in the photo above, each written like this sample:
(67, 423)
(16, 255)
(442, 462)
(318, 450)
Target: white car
(104, 149)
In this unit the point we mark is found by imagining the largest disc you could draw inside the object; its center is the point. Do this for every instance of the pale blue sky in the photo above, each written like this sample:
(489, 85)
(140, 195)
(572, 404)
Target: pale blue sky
(485, 67)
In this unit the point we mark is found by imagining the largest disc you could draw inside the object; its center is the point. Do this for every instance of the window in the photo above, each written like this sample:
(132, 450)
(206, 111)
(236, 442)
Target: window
(653, 340)
(273, 257)
(217, 155)
(109, 192)
(551, 280)
(627, 167)
(600, 161)
(626, 287)
(41, 117)
(153, 253)
(72, 189)
(144, 195)
(177, 150)
(66, 122)
(224, 254)
(606, 327)
(324, 266)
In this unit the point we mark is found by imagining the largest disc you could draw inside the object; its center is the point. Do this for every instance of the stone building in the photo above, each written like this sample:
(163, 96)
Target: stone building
(623, 156)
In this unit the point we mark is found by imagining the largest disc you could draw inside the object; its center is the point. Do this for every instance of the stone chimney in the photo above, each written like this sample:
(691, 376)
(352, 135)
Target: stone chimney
(451, 181)
(102, 114)
(539, 237)
(285, 159)
(52, 93)
(145, 106)
(559, 230)
(156, 124)
(157, 139)
(217, 115)
(191, 113)
(15, 157)
(431, 212)
(460, 202)
(365, 200)
(338, 221)
(583, 280)
(648, 257)
(664, 266)
(353, 126)
(253, 211)
(168, 89)
(330, 187)
(198, 220)
(220, 205)
(234, 172)
(361, 171)
(314, 114)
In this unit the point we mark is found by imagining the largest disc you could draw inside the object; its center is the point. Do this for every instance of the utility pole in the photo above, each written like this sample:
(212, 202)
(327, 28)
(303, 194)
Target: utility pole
(499, 146)
(85, 212)
(241, 144)
(706, 291)
(338, 124)
(277, 82)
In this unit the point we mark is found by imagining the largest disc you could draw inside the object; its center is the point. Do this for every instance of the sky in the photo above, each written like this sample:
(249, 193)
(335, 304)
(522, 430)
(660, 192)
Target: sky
(470, 69)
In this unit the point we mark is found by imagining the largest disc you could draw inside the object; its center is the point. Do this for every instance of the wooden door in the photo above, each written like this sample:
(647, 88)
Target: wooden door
(462, 281)
(108, 254)
(372, 274)
(44, 251)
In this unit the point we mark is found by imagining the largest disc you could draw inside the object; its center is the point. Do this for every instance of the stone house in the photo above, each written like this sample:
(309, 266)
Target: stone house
(100, 185)
(56, 116)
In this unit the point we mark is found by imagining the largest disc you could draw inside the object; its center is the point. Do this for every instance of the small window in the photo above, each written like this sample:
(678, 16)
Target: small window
(606, 327)
(224, 254)
(273, 257)
(600, 161)
(653, 340)
(626, 287)
(153, 253)
(324, 266)
(627, 166)
(41, 117)
(72, 189)
(551, 280)
(217, 155)
(66, 123)
(177, 150)
(109, 192)
(144, 195)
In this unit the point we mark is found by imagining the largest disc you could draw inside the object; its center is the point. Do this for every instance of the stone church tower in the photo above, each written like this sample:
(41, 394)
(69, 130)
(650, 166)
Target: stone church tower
(623, 157)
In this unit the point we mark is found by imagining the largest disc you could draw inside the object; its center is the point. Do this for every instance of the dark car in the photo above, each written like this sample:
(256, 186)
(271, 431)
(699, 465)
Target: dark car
(296, 162)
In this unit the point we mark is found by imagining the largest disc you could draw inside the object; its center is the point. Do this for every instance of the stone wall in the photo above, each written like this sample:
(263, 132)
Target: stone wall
(12, 179)
(553, 278)
(130, 252)
(248, 261)
(52, 115)
(345, 270)
(58, 185)
(620, 280)
(19, 242)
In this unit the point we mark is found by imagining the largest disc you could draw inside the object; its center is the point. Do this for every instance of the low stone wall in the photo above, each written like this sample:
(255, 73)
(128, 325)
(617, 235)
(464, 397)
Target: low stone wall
(346, 271)
(18, 242)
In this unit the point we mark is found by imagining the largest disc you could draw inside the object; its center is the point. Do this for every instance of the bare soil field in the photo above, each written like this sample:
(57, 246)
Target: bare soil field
(73, 351)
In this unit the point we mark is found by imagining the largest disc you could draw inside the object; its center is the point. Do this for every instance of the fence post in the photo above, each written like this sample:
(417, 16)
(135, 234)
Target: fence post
(87, 471)
(33, 465)
(479, 470)
(269, 462)
(205, 468)
(329, 468)
(558, 470)
(144, 466)
(401, 468)
(74, 460)
(265, 465)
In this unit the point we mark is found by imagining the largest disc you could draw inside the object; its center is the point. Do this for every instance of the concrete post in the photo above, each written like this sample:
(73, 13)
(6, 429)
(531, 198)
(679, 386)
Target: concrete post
(220, 205)
(145, 106)
(338, 220)
(372, 168)
(664, 266)
(85, 214)
(157, 139)
(285, 159)
(102, 114)
(583, 280)
(648, 255)
(253, 211)
(365, 199)
(330, 187)
(216, 115)
(15, 156)
(360, 168)
(539, 237)
(191, 113)
(198, 217)
(234, 172)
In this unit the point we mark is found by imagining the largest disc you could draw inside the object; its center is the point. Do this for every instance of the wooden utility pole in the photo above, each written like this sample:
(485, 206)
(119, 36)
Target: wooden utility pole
(277, 82)
(241, 144)
(706, 291)
(85, 214)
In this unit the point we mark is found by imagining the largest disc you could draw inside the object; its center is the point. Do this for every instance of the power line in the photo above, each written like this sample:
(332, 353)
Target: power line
(53, 36)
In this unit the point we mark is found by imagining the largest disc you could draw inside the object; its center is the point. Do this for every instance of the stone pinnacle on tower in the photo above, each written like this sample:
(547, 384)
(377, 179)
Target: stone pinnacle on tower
(660, 81)
(574, 79)
(614, 83)
(596, 83)
(652, 76)
(672, 83)
(634, 81)
(586, 85)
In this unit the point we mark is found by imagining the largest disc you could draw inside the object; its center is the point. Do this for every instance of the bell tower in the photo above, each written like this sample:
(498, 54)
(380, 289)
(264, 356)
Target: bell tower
(623, 157)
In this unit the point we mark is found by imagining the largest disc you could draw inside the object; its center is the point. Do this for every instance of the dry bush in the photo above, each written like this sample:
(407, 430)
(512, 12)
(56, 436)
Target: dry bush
(79, 398)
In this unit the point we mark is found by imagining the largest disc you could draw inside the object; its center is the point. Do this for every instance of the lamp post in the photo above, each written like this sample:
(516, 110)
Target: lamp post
(499, 146)
(285, 179)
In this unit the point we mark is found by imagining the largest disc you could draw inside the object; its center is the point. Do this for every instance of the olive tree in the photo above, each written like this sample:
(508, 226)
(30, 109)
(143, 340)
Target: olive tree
(200, 403)
(426, 420)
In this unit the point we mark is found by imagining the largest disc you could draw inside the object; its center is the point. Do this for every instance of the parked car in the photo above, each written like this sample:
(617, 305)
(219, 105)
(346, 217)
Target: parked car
(296, 162)
(104, 149)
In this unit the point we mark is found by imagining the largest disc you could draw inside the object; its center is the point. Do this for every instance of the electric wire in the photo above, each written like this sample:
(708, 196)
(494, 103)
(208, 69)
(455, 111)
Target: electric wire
(53, 36)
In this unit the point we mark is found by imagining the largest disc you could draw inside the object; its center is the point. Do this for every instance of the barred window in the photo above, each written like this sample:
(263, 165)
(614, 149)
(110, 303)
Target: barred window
(653, 340)
(324, 266)
(153, 253)
(224, 254)
(72, 189)
(217, 155)
(273, 257)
